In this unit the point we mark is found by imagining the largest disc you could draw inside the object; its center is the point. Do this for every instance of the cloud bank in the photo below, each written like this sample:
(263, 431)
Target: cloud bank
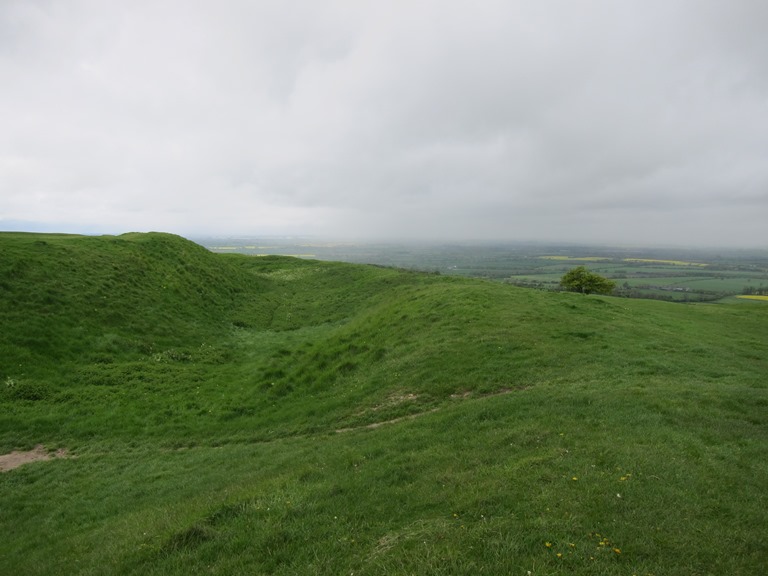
(595, 121)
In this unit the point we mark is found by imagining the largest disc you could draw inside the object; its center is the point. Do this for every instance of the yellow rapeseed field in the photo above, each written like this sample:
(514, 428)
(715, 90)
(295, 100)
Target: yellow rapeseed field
(754, 297)
(673, 262)
(575, 258)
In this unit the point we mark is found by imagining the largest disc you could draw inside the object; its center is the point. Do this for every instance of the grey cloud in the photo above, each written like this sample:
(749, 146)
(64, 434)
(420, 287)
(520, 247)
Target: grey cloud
(427, 119)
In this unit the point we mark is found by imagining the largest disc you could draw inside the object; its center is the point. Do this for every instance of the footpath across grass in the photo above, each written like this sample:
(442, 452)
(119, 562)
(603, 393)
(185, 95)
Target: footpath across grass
(323, 418)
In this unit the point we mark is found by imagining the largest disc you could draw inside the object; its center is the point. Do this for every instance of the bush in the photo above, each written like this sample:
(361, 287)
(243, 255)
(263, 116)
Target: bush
(580, 279)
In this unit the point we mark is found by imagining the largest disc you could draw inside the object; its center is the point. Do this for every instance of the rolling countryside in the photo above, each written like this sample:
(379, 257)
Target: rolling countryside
(195, 412)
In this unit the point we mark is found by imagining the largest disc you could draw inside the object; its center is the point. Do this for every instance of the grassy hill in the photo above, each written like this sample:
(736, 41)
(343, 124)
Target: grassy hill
(227, 414)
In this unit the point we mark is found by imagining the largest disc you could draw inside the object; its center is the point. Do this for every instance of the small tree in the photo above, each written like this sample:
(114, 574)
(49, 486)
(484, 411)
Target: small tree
(580, 279)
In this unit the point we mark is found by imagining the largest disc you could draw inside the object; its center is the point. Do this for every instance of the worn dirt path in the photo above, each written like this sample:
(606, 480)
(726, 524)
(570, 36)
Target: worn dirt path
(18, 458)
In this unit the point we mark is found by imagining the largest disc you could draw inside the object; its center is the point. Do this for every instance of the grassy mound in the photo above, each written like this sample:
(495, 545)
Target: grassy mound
(84, 298)
(232, 414)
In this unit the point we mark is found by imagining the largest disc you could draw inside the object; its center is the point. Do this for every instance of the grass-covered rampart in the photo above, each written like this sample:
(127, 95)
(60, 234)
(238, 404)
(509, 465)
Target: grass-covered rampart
(227, 414)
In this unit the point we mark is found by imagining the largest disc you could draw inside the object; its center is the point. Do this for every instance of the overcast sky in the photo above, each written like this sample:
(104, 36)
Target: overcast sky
(618, 121)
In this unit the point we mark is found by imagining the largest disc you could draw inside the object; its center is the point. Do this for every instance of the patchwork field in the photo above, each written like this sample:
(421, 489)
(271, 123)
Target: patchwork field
(686, 275)
(202, 413)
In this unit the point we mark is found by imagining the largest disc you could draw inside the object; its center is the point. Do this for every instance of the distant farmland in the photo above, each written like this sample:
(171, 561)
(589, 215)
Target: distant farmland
(680, 275)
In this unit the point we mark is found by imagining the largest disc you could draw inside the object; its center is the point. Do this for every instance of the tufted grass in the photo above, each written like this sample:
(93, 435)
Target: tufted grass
(279, 416)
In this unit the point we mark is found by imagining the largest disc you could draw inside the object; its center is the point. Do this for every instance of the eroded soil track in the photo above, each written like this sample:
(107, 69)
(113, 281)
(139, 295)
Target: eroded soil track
(19, 458)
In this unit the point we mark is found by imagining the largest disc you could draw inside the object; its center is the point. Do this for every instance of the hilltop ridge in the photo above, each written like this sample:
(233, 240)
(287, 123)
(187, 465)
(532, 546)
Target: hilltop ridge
(67, 296)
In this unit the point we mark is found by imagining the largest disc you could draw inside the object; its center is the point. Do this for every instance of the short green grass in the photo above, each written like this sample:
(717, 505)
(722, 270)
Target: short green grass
(239, 415)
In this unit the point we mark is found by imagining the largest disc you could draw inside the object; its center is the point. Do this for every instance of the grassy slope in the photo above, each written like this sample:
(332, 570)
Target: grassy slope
(67, 296)
(201, 395)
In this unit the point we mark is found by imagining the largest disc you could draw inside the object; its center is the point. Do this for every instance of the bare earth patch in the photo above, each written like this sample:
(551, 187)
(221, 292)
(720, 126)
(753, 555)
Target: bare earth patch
(396, 399)
(16, 459)
(464, 394)
(385, 422)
